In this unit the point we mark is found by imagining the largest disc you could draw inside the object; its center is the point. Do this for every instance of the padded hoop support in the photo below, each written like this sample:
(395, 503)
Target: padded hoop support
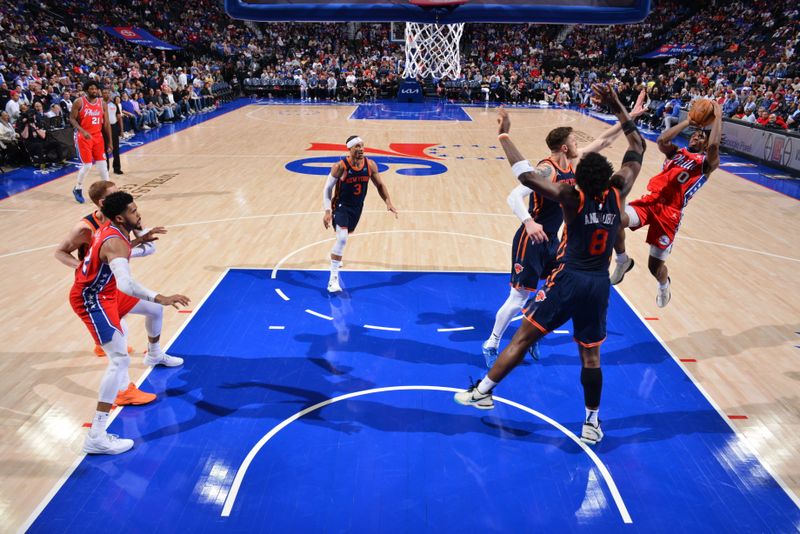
(541, 11)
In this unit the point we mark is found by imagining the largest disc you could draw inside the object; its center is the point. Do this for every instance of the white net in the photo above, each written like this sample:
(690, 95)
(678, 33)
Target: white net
(433, 50)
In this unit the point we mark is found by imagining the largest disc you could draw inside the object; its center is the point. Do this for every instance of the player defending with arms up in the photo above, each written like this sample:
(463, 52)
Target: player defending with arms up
(96, 300)
(685, 172)
(348, 183)
(578, 288)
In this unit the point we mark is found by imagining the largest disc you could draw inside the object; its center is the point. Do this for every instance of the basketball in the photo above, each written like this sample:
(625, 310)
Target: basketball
(702, 112)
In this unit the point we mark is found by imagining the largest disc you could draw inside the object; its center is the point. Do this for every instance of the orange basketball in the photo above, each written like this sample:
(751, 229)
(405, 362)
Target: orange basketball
(702, 112)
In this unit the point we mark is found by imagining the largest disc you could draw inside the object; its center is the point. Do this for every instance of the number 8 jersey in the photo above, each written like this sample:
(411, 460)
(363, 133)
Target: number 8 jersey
(589, 239)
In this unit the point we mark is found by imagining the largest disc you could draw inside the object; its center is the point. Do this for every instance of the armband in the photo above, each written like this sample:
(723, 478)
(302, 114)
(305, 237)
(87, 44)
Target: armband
(521, 167)
(632, 155)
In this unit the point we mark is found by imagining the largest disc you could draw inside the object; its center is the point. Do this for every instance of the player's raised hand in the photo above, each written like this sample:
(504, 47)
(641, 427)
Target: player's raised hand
(535, 231)
(327, 219)
(605, 95)
(638, 108)
(503, 120)
(175, 301)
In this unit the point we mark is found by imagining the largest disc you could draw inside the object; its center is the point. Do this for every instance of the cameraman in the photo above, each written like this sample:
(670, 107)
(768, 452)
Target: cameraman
(41, 148)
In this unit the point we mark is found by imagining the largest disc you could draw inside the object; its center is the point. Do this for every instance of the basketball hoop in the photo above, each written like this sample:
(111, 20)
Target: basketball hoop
(433, 49)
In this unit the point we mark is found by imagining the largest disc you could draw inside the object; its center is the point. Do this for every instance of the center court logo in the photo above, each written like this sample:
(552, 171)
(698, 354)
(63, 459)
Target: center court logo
(409, 158)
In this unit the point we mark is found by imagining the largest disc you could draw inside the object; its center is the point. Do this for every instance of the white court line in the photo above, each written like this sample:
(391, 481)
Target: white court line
(459, 329)
(387, 328)
(381, 232)
(317, 314)
(743, 440)
(281, 294)
(242, 471)
(71, 469)
(277, 327)
(482, 214)
(561, 331)
(11, 209)
(740, 248)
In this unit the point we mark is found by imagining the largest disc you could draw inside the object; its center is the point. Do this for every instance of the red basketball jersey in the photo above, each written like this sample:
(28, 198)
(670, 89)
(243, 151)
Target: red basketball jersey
(93, 277)
(90, 116)
(682, 176)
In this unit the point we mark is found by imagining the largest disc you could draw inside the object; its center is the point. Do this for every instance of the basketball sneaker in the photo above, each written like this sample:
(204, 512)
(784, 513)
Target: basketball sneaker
(78, 194)
(162, 358)
(591, 434)
(534, 351)
(664, 294)
(471, 397)
(489, 355)
(620, 270)
(106, 443)
(133, 396)
(333, 285)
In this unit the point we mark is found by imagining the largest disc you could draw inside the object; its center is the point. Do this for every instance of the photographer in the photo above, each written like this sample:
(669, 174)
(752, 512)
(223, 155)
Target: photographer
(41, 148)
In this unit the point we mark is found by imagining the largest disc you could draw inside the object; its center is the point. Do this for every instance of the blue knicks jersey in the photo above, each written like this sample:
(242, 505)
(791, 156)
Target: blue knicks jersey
(589, 239)
(352, 187)
(545, 211)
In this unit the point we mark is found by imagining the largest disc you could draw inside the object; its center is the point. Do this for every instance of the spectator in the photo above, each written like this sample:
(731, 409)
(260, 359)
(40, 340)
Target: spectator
(13, 107)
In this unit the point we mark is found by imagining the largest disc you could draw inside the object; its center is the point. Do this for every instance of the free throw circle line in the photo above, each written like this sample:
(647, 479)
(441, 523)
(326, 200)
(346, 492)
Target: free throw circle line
(242, 471)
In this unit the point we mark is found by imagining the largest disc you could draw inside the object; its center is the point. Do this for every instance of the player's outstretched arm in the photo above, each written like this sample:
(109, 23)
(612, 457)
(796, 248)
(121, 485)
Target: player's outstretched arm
(665, 144)
(714, 140)
(610, 134)
(538, 179)
(327, 192)
(80, 235)
(375, 176)
(115, 253)
(73, 118)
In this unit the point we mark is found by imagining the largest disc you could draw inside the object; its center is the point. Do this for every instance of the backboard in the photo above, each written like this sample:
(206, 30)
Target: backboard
(509, 11)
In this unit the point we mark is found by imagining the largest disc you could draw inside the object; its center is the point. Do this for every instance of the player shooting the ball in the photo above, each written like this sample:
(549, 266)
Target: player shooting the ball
(662, 208)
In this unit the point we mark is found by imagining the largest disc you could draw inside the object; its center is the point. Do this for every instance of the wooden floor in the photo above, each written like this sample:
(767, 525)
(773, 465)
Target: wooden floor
(228, 201)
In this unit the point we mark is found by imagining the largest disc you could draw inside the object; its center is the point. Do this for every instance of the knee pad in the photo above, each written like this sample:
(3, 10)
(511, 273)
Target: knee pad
(341, 241)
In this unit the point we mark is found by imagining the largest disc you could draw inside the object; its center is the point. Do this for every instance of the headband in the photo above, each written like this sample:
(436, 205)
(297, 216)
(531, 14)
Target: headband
(353, 142)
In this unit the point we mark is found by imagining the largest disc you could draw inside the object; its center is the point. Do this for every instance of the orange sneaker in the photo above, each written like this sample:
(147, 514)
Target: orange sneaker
(133, 396)
(99, 352)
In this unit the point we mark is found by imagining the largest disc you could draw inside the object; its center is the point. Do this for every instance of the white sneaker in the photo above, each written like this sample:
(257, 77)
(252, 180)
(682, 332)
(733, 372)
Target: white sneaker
(162, 358)
(620, 270)
(106, 444)
(333, 285)
(471, 397)
(591, 434)
(664, 295)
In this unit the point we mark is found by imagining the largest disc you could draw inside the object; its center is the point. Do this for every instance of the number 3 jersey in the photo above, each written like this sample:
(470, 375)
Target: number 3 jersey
(351, 189)
(589, 239)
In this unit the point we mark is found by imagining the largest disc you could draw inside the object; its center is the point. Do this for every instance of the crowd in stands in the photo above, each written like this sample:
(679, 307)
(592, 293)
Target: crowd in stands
(744, 55)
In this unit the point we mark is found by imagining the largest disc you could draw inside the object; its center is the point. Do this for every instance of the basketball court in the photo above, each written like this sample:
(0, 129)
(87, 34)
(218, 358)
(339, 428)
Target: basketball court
(296, 409)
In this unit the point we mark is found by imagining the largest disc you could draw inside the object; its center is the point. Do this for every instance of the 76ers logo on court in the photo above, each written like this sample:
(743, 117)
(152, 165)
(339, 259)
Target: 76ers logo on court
(540, 295)
(411, 157)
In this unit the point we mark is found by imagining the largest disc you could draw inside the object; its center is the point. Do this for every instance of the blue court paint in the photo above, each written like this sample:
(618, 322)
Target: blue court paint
(406, 461)
(429, 111)
(24, 178)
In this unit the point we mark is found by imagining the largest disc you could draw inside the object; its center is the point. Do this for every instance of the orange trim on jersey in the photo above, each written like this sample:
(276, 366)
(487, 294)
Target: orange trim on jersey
(619, 202)
(589, 345)
(556, 167)
(580, 205)
(534, 323)
(519, 245)
(525, 239)
(350, 164)
(562, 247)
(520, 286)
(551, 280)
